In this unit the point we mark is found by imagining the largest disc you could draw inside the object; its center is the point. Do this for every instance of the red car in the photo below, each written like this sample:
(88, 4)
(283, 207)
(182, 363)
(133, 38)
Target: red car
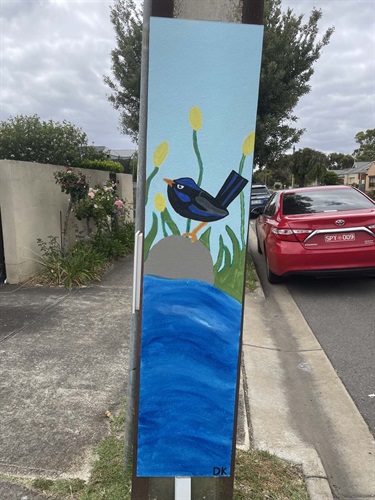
(317, 230)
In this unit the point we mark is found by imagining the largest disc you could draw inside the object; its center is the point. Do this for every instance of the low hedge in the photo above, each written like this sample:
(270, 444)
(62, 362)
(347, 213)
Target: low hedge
(106, 165)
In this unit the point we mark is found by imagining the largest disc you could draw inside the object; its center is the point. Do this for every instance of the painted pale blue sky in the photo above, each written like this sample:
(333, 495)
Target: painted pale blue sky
(208, 65)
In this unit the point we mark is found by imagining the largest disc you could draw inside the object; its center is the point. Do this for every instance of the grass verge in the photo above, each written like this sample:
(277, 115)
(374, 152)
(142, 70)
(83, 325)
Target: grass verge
(258, 475)
(251, 278)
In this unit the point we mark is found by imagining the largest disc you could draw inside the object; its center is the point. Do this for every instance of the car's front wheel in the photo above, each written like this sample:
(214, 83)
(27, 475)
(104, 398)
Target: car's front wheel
(273, 278)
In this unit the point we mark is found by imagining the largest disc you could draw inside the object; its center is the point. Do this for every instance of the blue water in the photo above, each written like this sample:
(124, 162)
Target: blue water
(189, 359)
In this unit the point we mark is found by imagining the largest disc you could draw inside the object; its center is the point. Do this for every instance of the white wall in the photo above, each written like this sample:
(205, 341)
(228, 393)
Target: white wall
(32, 206)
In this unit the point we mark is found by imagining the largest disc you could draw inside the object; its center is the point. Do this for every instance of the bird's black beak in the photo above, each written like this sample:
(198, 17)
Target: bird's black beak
(170, 182)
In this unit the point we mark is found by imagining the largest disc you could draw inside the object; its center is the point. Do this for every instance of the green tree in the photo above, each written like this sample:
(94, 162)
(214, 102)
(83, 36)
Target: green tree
(28, 138)
(308, 166)
(330, 178)
(279, 170)
(366, 148)
(339, 161)
(290, 50)
(126, 18)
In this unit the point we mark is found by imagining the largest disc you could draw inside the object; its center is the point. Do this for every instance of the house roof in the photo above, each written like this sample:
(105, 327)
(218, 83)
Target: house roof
(362, 166)
(359, 167)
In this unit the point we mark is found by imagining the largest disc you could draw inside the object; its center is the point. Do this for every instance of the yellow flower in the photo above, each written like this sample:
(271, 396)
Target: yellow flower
(248, 144)
(160, 154)
(159, 202)
(195, 118)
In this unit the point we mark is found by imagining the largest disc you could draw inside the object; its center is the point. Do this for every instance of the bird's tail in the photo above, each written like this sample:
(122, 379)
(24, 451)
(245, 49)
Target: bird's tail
(231, 188)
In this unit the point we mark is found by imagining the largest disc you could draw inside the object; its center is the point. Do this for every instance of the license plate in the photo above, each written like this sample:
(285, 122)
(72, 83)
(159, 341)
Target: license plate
(340, 237)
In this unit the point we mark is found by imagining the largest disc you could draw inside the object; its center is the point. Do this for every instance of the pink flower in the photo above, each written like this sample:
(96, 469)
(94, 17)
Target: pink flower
(119, 204)
(91, 194)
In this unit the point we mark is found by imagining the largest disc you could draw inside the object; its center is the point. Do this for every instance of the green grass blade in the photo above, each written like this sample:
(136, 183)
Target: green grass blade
(151, 235)
(230, 278)
(205, 238)
(220, 256)
(148, 182)
(163, 224)
(172, 225)
(235, 242)
(227, 257)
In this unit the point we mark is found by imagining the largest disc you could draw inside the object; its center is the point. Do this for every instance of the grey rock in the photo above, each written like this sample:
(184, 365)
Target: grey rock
(176, 257)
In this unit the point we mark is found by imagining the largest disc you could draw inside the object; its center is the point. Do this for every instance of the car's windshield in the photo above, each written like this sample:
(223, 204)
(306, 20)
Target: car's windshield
(259, 190)
(325, 200)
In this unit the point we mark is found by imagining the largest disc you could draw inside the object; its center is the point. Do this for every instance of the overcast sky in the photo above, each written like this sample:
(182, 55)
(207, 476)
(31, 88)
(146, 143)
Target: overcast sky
(54, 53)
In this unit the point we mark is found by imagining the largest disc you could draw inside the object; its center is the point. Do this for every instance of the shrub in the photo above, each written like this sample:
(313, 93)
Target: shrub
(82, 264)
(117, 243)
(29, 138)
(102, 205)
(86, 261)
(51, 261)
(72, 182)
(106, 165)
(108, 245)
(330, 178)
(125, 234)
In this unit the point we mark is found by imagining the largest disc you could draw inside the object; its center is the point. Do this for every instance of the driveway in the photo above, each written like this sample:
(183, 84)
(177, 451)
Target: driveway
(63, 364)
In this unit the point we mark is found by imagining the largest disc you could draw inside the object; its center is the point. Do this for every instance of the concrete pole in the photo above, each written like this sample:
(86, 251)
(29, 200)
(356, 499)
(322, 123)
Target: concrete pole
(229, 11)
(232, 11)
(139, 227)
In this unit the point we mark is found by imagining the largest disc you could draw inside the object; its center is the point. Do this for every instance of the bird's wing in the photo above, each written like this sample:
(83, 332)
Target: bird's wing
(207, 207)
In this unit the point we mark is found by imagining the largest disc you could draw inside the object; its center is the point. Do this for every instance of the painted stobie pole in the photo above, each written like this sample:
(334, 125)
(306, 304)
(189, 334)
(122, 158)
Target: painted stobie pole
(188, 309)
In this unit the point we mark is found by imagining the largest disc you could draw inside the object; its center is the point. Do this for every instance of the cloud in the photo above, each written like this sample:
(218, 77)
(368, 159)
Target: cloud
(53, 58)
(54, 54)
(342, 99)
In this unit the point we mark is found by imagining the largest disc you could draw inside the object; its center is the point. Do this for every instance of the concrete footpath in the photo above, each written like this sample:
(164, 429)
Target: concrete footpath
(64, 356)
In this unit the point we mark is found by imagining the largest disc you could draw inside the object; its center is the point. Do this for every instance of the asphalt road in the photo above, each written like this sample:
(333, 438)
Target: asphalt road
(341, 313)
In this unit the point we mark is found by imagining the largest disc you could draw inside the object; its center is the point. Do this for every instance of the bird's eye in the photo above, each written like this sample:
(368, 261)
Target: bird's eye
(180, 186)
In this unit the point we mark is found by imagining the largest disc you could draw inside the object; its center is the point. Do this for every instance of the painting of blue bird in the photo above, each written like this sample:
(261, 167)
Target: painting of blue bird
(192, 202)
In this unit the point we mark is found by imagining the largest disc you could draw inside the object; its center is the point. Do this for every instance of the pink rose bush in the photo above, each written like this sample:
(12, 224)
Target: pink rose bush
(102, 206)
(119, 204)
